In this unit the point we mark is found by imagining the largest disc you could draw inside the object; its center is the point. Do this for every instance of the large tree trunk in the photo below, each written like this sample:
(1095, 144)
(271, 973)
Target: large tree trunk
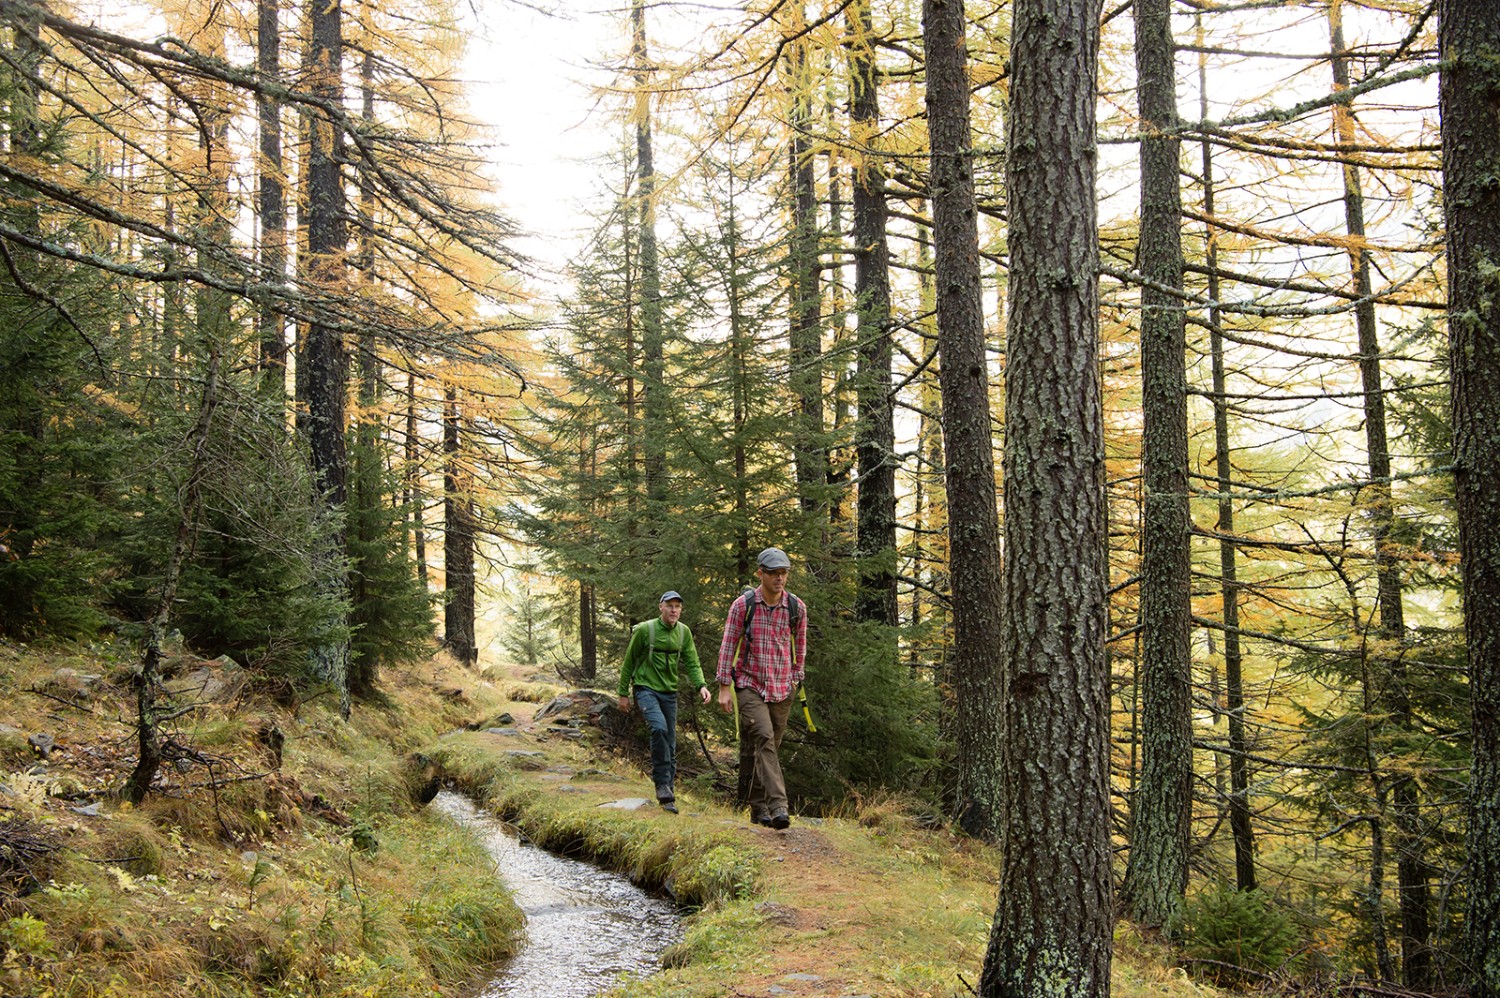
(974, 533)
(1162, 809)
(458, 538)
(271, 202)
(1053, 924)
(415, 494)
(876, 434)
(1240, 826)
(327, 360)
(366, 517)
(1468, 38)
(653, 399)
(805, 336)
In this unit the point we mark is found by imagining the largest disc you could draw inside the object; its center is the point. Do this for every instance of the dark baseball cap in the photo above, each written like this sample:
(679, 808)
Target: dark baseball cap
(670, 594)
(772, 559)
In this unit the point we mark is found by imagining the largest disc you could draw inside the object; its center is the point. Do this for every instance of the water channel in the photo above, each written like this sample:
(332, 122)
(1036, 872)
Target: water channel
(586, 928)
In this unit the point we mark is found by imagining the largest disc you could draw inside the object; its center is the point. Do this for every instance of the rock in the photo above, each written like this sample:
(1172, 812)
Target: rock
(219, 681)
(71, 685)
(42, 744)
(577, 704)
(513, 732)
(272, 740)
(15, 748)
(594, 709)
(524, 759)
(490, 724)
(777, 914)
(629, 803)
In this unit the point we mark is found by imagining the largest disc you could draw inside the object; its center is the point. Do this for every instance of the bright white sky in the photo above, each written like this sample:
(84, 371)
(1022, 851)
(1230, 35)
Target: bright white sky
(531, 77)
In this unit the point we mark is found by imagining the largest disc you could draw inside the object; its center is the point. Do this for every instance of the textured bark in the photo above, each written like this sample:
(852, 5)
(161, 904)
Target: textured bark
(588, 638)
(20, 527)
(1468, 40)
(327, 360)
(653, 431)
(365, 519)
(875, 435)
(415, 494)
(805, 333)
(1052, 929)
(1240, 826)
(458, 538)
(974, 535)
(271, 201)
(1162, 808)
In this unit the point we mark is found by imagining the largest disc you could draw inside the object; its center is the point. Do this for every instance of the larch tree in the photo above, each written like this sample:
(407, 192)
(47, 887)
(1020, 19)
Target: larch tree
(976, 664)
(1391, 700)
(805, 331)
(876, 435)
(271, 211)
(1053, 924)
(459, 529)
(325, 355)
(653, 372)
(1468, 40)
(1242, 830)
(1161, 811)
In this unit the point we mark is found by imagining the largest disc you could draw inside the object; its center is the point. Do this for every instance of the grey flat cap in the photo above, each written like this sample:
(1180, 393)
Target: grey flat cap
(772, 559)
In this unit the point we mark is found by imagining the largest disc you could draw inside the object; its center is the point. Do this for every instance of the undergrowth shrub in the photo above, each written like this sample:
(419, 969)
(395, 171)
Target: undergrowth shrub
(1238, 938)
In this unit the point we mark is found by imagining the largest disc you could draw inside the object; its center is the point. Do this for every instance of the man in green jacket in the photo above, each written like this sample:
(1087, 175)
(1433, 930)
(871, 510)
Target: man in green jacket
(658, 647)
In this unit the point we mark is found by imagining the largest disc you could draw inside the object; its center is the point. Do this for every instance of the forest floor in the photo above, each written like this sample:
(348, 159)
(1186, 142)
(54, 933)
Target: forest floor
(869, 902)
(285, 852)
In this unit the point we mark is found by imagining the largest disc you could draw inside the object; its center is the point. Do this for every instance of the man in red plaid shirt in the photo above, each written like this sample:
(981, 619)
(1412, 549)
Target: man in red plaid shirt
(761, 670)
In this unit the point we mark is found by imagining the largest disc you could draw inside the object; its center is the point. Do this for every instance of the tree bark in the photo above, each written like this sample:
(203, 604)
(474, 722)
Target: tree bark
(1052, 930)
(271, 202)
(458, 538)
(875, 434)
(1162, 808)
(366, 517)
(653, 430)
(327, 359)
(805, 335)
(1468, 38)
(969, 455)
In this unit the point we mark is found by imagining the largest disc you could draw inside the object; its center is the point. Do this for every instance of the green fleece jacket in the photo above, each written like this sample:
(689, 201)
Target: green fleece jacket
(658, 671)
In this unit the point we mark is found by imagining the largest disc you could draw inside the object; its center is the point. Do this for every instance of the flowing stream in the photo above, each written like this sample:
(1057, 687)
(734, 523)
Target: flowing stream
(586, 928)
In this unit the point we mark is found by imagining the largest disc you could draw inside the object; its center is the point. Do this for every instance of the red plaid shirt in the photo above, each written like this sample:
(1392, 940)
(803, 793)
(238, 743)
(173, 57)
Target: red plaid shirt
(765, 665)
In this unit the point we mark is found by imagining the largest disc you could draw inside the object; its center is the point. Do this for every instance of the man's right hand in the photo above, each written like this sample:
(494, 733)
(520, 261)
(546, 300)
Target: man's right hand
(625, 704)
(726, 698)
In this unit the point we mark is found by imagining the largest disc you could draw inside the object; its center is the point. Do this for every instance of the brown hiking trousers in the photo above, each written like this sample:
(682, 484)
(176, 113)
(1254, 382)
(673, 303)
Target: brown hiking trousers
(761, 726)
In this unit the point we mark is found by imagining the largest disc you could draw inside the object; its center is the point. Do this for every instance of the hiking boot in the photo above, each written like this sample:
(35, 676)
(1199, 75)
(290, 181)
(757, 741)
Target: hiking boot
(664, 793)
(779, 819)
(669, 806)
(760, 818)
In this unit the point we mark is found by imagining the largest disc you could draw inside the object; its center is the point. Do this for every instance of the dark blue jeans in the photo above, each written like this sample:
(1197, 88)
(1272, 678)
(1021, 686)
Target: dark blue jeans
(660, 711)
